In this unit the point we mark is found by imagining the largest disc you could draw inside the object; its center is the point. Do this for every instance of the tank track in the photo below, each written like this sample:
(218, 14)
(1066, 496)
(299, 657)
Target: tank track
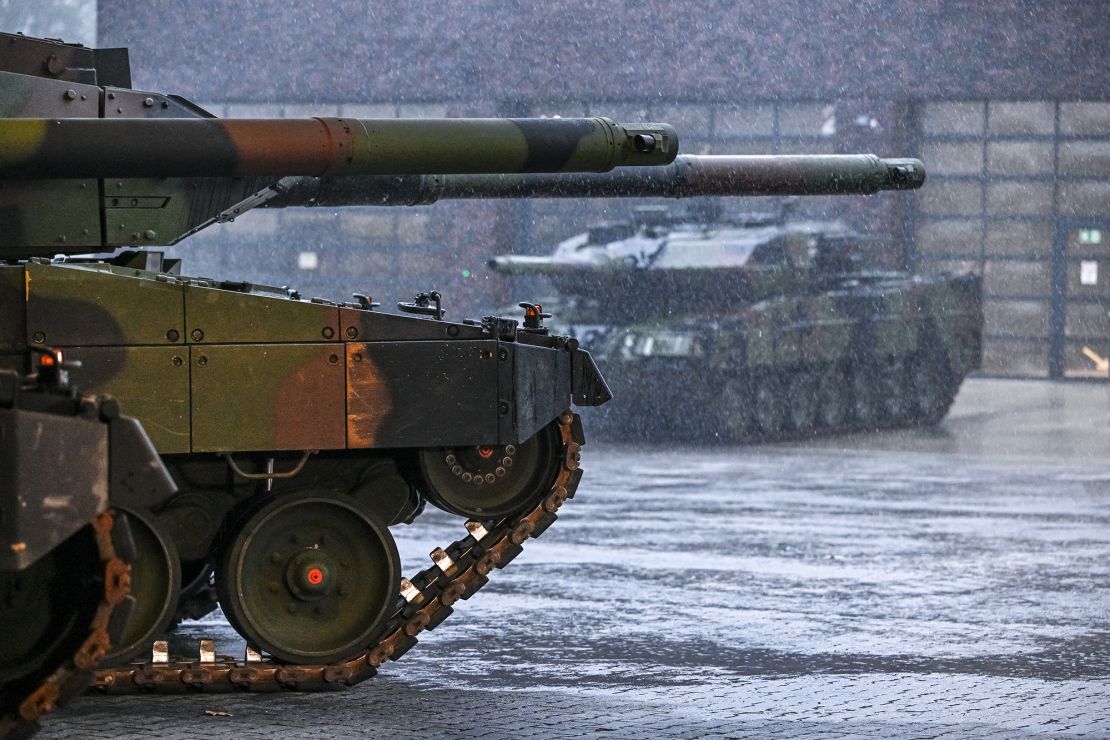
(70, 679)
(426, 600)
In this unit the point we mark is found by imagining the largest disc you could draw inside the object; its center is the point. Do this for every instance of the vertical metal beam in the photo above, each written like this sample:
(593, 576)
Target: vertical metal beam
(1059, 264)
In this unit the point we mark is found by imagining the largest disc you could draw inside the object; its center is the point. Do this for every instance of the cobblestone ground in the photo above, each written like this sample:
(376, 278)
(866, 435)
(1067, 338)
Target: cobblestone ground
(889, 585)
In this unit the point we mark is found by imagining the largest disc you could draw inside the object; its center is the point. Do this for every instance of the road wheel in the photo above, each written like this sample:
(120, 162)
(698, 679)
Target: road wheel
(865, 396)
(491, 481)
(896, 395)
(734, 409)
(46, 611)
(835, 398)
(309, 578)
(155, 586)
(802, 401)
(767, 405)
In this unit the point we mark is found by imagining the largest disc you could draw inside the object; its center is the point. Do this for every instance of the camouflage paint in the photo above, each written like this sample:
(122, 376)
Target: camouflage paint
(38, 148)
(84, 167)
(153, 382)
(226, 367)
(248, 397)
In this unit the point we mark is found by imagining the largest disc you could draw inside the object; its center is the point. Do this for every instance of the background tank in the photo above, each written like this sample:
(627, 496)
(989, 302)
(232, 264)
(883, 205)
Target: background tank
(295, 432)
(785, 328)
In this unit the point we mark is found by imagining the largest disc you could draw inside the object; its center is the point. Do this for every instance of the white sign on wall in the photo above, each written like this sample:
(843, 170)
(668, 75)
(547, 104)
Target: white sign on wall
(1088, 272)
(1090, 236)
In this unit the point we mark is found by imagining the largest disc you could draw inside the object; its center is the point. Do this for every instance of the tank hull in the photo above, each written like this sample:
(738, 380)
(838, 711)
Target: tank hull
(221, 367)
(868, 353)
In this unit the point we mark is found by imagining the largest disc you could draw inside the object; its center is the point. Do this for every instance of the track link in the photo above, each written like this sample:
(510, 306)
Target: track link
(426, 600)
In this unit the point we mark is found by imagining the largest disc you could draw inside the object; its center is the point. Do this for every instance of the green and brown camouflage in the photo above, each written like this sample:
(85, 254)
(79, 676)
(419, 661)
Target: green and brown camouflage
(151, 181)
(789, 335)
(212, 366)
(40, 148)
(87, 164)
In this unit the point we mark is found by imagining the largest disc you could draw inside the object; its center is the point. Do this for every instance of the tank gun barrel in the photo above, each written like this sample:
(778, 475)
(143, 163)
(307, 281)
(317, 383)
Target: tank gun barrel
(37, 148)
(688, 176)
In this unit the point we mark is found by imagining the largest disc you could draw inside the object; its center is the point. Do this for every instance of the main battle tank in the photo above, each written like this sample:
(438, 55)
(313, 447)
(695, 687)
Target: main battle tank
(787, 330)
(293, 432)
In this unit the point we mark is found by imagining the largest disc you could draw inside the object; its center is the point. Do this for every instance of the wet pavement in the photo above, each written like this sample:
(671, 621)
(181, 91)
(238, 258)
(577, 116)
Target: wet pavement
(952, 582)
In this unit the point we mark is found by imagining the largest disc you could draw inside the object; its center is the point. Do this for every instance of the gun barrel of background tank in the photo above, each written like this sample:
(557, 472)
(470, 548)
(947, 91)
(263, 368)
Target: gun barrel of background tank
(689, 176)
(172, 147)
(710, 175)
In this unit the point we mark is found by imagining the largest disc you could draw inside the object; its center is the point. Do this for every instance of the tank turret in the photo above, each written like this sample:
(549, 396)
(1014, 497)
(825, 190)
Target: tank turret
(664, 260)
(644, 260)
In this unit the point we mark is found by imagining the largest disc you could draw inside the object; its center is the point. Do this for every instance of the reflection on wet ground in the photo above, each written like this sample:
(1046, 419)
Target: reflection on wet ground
(885, 585)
